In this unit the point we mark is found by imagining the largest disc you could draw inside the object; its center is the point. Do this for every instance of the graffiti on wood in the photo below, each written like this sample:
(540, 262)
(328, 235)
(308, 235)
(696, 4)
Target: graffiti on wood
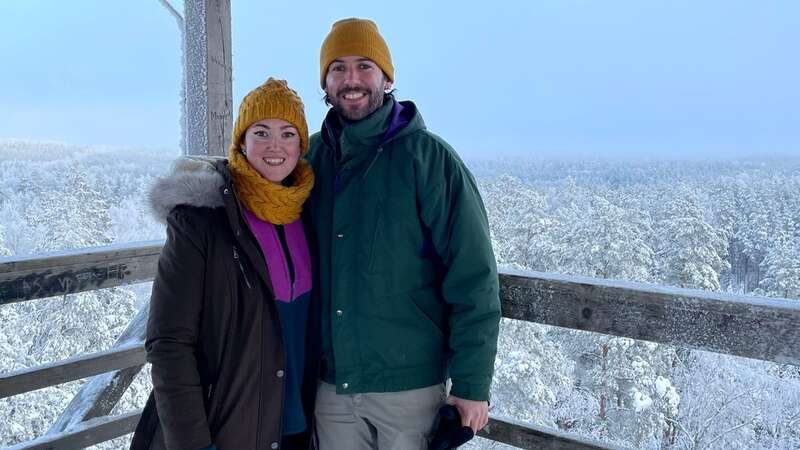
(48, 284)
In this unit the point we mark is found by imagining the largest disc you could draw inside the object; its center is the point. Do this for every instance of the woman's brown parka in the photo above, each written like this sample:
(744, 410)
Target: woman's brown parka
(213, 335)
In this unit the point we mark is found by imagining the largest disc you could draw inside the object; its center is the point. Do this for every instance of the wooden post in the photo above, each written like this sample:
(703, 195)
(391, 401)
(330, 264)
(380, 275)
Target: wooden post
(208, 91)
(101, 393)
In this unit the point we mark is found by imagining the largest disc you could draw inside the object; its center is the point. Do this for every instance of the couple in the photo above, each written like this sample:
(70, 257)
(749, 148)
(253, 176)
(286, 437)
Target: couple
(321, 301)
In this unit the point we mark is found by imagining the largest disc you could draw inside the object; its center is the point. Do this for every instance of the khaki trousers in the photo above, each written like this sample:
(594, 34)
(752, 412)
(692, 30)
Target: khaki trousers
(376, 421)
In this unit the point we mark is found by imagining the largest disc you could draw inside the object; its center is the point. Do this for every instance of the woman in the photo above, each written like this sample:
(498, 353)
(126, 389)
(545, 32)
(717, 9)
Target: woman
(232, 334)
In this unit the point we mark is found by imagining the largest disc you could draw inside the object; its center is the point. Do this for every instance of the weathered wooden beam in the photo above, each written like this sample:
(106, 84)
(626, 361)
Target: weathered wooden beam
(74, 271)
(529, 436)
(752, 327)
(98, 396)
(26, 380)
(208, 90)
(86, 434)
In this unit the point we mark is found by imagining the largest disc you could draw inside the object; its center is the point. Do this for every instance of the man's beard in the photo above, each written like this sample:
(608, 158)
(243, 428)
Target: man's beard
(374, 101)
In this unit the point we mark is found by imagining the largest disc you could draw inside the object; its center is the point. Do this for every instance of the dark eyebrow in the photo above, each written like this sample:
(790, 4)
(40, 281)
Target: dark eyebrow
(283, 127)
(358, 60)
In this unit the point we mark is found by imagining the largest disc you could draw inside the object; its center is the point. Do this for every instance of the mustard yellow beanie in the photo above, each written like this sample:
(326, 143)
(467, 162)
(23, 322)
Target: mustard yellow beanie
(272, 100)
(355, 37)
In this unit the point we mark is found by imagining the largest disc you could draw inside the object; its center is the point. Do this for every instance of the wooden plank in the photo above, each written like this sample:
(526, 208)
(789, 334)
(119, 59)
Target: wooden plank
(208, 77)
(25, 380)
(79, 270)
(87, 434)
(752, 327)
(529, 436)
(506, 431)
(98, 396)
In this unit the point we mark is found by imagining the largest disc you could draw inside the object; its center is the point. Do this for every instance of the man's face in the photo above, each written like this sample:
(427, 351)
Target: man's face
(355, 86)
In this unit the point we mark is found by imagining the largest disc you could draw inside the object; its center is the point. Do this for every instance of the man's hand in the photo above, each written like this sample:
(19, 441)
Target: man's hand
(474, 414)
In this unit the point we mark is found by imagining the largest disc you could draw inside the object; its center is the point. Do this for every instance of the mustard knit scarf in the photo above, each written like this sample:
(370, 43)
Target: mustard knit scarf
(271, 202)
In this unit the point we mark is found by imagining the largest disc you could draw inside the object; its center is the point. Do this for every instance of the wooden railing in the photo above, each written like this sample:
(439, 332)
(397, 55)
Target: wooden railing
(752, 327)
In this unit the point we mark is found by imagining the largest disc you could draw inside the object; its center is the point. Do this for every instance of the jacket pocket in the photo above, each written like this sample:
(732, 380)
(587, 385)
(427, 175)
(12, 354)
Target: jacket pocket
(430, 308)
(238, 261)
(208, 394)
(375, 265)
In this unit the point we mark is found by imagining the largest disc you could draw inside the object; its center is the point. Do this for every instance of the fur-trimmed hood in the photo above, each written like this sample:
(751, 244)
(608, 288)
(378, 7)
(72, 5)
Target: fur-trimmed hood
(193, 181)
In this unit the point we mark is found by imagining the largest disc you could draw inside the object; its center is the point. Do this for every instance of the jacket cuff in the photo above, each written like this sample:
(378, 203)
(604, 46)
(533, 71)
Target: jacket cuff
(198, 440)
(468, 391)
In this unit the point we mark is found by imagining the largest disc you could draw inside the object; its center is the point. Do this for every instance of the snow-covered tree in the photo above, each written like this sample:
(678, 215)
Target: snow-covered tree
(630, 382)
(692, 252)
(533, 376)
(781, 269)
(607, 241)
(520, 226)
(730, 402)
(4, 251)
(72, 217)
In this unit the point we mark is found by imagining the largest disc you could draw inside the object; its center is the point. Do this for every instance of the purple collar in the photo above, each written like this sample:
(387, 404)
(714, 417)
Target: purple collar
(277, 261)
(397, 121)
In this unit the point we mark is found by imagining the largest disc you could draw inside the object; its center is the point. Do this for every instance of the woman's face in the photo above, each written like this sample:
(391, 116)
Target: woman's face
(272, 147)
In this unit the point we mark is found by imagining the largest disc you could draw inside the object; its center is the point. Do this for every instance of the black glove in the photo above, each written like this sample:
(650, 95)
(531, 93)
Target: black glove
(449, 431)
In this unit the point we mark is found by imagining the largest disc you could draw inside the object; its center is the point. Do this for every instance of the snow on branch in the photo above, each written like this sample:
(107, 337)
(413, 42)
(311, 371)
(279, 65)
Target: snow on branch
(178, 17)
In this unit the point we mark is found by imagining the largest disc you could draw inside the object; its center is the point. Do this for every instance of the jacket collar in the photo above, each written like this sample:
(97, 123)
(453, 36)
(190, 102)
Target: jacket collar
(350, 140)
(193, 181)
(206, 182)
(244, 236)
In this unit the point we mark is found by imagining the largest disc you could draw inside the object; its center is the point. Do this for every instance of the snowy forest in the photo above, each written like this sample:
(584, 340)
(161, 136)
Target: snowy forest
(727, 226)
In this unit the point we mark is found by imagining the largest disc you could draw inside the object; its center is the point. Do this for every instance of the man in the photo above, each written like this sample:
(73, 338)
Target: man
(407, 277)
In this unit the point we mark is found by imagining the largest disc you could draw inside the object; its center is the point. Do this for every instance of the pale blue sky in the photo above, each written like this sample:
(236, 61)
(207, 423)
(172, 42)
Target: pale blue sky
(669, 78)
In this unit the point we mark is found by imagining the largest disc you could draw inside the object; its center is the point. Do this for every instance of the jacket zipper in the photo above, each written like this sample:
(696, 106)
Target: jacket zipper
(280, 230)
(261, 384)
(378, 152)
(210, 390)
(260, 379)
(241, 267)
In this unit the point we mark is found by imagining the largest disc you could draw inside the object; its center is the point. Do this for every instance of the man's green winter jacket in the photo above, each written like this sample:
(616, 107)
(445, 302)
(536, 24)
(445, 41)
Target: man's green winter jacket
(407, 277)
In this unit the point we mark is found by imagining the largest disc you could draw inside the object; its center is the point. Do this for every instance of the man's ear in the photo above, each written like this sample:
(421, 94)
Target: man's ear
(387, 85)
